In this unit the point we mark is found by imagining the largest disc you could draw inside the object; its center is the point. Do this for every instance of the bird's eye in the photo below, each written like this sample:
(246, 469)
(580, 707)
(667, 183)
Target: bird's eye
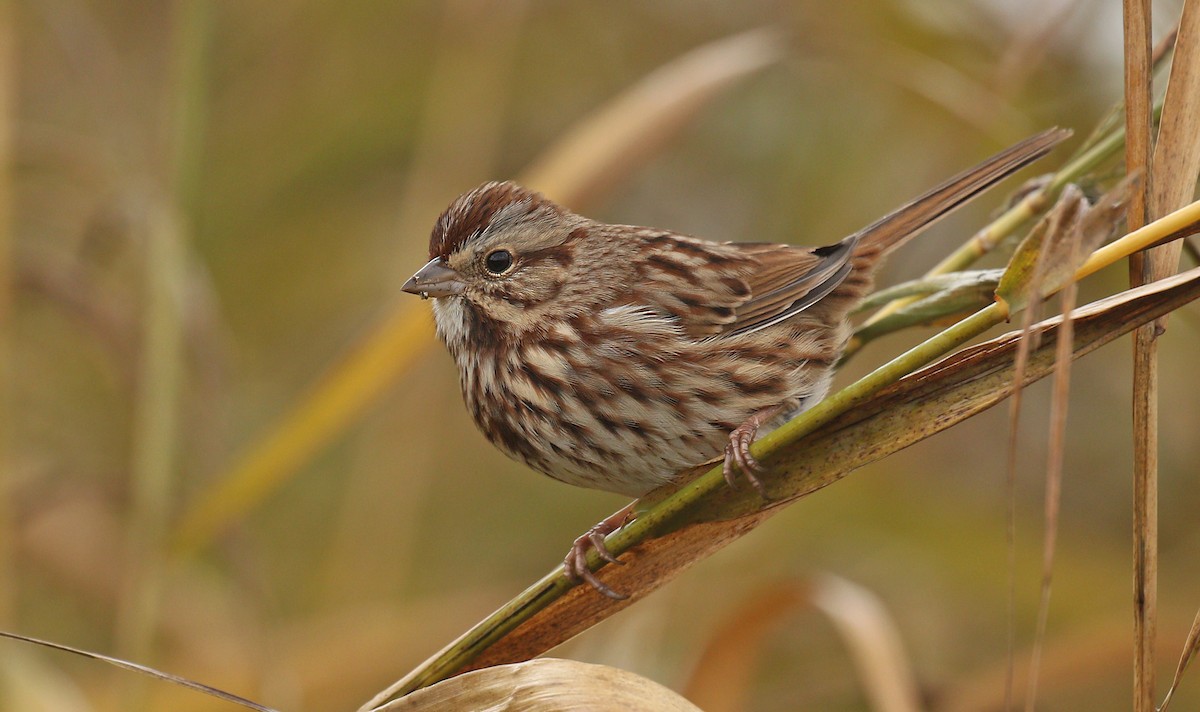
(498, 261)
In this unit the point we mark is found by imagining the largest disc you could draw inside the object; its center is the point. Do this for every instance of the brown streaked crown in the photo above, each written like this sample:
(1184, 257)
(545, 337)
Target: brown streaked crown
(471, 214)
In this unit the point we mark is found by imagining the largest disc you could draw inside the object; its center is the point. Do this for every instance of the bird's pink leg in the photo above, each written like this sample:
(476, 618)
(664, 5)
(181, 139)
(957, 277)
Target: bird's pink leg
(575, 565)
(737, 452)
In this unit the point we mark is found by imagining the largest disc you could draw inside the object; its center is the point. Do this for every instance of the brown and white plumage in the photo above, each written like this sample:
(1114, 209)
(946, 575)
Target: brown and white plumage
(613, 356)
(616, 356)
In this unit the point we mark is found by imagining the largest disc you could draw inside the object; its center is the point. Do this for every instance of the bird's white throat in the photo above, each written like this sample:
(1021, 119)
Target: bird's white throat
(449, 315)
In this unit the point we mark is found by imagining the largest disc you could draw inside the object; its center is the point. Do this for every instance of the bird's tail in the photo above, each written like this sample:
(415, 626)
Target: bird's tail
(901, 225)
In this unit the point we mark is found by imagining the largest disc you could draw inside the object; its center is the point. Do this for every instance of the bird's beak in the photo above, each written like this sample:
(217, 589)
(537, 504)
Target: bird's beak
(435, 279)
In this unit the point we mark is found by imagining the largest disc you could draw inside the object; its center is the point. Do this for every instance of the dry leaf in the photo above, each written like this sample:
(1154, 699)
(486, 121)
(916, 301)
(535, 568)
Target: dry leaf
(1190, 649)
(548, 684)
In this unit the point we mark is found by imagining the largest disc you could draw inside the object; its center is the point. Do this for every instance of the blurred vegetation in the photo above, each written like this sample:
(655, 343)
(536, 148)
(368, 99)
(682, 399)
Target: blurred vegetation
(214, 203)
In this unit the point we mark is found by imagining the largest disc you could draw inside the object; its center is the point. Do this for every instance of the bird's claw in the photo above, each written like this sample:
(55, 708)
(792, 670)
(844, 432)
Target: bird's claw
(737, 453)
(739, 459)
(575, 566)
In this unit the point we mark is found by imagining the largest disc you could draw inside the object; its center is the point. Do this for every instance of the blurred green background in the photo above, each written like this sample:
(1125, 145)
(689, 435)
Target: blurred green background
(215, 202)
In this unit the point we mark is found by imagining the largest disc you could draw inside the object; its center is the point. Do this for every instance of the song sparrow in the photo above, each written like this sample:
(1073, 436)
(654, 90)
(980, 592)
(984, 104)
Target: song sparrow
(613, 356)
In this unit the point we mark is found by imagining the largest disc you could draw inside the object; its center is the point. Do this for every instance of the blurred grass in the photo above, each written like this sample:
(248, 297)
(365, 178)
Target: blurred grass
(332, 137)
(723, 676)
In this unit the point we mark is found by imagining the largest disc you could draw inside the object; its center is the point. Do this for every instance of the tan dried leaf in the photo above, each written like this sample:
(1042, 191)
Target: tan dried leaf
(549, 684)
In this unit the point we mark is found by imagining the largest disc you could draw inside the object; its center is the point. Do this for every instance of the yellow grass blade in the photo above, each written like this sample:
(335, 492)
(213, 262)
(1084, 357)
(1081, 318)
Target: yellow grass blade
(323, 414)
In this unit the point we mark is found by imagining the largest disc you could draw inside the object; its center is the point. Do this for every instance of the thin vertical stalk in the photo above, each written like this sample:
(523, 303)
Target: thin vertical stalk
(1138, 109)
(1136, 22)
(8, 576)
(1145, 505)
(1175, 164)
(1055, 457)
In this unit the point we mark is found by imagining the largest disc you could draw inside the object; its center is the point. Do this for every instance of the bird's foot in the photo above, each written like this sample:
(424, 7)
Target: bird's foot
(575, 566)
(737, 452)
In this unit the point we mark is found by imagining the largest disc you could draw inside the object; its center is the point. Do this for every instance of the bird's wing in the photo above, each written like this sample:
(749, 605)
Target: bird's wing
(789, 280)
(719, 289)
(716, 289)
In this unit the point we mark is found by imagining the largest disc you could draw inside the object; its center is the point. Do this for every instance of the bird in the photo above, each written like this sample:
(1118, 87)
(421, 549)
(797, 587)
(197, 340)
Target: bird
(614, 357)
